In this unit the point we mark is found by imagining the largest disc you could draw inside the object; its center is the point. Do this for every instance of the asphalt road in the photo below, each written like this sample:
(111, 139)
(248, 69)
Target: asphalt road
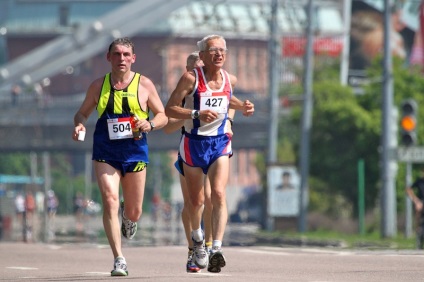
(93, 262)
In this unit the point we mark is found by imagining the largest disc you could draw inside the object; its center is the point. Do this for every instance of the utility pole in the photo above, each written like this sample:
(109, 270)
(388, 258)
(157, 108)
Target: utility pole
(47, 187)
(274, 72)
(388, 164)
(344, 68)
(306, 120)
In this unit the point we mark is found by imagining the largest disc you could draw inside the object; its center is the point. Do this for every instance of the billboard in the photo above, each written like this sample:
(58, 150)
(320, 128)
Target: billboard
(284, 191)
(367, 34)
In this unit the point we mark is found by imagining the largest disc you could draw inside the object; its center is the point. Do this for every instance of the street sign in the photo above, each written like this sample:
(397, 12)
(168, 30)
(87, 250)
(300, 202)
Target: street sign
(412, 154)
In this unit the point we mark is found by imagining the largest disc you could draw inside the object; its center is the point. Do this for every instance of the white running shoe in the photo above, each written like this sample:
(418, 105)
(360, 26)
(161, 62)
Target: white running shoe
(201, 257)
(119, 267)
(216, 260)
(128, 228)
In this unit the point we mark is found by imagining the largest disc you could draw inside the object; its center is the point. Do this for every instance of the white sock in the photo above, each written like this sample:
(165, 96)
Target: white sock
(216, 244)
(197, 235)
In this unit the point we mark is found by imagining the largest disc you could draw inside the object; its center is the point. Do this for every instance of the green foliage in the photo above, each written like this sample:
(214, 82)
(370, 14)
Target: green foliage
(346, 128)
(15, 163)
(66, 183)
(369, 241)
(342, 133)
(408, 82)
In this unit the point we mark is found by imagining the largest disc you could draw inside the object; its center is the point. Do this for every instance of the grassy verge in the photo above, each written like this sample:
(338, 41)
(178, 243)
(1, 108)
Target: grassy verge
(330, 238)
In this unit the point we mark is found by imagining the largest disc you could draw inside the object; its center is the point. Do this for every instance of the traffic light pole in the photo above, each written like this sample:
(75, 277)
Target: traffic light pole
(388, 164)
(408, 202)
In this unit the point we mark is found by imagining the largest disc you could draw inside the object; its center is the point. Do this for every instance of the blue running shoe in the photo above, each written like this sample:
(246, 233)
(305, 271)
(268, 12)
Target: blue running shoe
(191, 266)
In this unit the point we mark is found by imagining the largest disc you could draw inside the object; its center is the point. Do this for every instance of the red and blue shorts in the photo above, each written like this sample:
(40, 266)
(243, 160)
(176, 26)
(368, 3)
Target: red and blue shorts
(202, 151)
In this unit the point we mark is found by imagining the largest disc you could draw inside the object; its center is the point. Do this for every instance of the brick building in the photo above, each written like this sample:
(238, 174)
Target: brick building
(161, 48)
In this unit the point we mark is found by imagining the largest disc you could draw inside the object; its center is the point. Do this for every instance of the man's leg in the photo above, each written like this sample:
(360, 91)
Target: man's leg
(207, 214)
(218, 175)
(108, 181)
(185, 216)
(133, 185)
(185, 213)
(194, 179)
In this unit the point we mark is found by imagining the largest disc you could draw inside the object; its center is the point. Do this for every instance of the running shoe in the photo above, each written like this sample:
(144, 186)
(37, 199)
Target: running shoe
(208, 248)
(191, 266)
(119, 267)
(128, 228)
(216, 260)
(200, 255)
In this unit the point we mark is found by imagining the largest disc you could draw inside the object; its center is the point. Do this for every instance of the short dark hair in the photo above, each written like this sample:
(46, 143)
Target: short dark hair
(122, 41)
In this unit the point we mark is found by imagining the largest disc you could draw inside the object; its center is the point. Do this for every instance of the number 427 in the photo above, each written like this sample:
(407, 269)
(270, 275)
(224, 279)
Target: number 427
(214, 102)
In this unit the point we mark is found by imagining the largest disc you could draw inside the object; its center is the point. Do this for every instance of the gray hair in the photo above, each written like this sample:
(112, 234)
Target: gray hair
(192, 58)
(202, 43)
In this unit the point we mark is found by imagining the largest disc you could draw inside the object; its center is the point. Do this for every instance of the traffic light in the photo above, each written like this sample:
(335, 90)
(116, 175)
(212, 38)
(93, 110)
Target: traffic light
(408, 122)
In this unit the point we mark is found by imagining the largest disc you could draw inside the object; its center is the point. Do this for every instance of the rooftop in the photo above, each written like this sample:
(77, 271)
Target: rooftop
(228, 17)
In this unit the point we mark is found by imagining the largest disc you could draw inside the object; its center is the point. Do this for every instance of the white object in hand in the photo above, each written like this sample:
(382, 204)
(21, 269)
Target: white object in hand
(81, 135)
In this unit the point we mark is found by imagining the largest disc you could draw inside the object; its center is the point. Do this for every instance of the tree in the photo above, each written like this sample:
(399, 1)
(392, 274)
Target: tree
(342, 133)
(408, 82)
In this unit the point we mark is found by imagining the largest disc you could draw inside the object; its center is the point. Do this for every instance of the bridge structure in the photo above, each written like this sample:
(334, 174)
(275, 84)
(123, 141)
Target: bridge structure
(37, 126)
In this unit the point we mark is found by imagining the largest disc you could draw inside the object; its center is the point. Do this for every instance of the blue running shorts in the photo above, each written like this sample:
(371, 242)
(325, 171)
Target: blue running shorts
(125, 167)
(202, 151)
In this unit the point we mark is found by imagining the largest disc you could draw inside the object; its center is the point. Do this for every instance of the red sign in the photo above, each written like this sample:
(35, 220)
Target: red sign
(295, 46)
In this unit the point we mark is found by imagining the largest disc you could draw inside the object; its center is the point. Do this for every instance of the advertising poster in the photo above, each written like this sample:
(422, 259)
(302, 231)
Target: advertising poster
(367, 35)
(284, 191)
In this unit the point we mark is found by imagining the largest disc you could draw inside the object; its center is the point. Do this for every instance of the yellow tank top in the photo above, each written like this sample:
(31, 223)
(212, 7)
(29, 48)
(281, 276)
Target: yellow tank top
(120, 102)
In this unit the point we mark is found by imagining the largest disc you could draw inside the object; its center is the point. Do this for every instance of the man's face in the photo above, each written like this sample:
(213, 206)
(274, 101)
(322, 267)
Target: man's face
(215, 53)
(121, 58)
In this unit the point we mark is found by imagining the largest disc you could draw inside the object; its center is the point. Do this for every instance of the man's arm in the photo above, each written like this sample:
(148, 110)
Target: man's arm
(86, 108)
(155, 104)
(174, 124)
(173, 108)
(185, 87)
(246, 107)
(417, 202)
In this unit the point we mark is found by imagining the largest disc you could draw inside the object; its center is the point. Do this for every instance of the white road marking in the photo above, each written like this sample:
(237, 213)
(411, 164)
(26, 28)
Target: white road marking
(98, 273)
(21, 268)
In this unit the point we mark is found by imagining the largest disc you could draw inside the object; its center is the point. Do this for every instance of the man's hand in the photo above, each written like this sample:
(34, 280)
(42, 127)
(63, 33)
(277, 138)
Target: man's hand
(419, 206)
(248, 108)
(208, 115)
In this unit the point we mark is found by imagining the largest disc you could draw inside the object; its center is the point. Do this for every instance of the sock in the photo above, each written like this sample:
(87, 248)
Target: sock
(216, 244)
(197, 235)
(208, 244)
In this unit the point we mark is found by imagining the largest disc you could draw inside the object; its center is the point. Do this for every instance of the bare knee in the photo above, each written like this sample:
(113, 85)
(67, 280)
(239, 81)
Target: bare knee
(133, 213)
(218, 197)
(110, 204)
(196, 202)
